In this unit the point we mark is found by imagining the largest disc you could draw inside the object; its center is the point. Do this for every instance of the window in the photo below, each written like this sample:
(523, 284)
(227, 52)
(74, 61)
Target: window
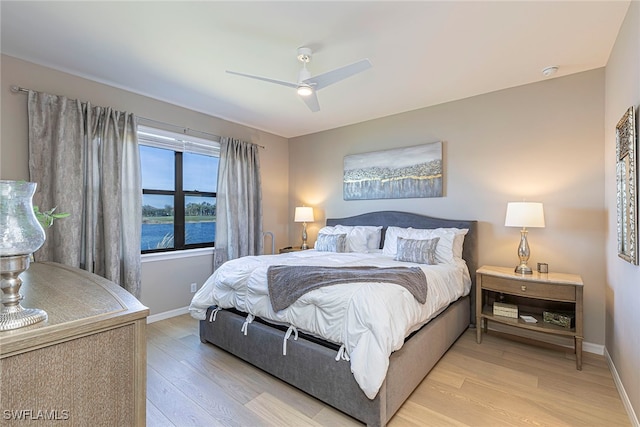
(179, 183)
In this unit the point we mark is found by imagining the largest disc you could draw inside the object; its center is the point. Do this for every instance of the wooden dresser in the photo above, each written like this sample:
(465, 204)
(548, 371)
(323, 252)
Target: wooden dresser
(86, 365)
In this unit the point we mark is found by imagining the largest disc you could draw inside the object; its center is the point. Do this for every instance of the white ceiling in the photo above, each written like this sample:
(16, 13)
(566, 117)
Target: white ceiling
(423, 53)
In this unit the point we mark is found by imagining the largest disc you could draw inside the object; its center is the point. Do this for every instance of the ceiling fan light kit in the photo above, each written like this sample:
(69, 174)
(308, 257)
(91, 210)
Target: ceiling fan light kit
(305, 90)
(307, 86)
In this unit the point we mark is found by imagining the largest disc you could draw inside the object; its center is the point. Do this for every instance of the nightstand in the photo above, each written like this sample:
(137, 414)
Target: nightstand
(287, 250)
(533, 294)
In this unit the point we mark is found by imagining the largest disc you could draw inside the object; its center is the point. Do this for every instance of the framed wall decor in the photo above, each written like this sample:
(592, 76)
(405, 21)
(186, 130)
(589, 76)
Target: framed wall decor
(394, 174)
(627, 186)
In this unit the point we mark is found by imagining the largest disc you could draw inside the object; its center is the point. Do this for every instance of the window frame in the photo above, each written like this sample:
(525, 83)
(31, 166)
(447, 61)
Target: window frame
(179, 144)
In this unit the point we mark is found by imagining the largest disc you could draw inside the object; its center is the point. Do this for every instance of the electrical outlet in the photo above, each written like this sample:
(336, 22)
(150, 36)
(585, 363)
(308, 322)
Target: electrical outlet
(194, 287)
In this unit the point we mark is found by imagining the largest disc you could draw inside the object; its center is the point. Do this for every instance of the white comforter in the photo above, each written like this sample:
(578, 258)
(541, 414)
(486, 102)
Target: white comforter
(371, 320)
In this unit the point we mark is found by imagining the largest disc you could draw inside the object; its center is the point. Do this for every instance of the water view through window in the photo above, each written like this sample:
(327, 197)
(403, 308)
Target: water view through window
(158, 221)
(195, 221)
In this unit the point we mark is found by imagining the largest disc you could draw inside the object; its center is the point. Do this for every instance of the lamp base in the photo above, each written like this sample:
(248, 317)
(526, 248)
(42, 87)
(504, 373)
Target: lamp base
(21, 317)
(304, 245)
(12, 314)
(523, 254)
(523, 269)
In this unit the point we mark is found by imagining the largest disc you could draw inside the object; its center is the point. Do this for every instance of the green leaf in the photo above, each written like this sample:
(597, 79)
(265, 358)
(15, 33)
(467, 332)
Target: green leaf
(46, 218)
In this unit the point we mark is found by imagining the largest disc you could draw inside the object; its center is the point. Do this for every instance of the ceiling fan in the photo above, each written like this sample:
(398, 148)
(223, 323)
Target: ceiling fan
(307, 86)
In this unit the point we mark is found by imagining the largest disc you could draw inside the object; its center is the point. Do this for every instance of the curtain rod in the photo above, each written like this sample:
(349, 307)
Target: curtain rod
(16, 89)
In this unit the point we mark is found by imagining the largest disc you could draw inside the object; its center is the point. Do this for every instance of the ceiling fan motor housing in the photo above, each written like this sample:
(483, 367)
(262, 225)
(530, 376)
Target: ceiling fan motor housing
(303, 75)
(304, 55)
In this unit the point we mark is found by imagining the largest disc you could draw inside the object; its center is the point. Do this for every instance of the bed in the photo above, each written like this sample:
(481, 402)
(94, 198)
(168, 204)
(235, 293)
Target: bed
(322, 367)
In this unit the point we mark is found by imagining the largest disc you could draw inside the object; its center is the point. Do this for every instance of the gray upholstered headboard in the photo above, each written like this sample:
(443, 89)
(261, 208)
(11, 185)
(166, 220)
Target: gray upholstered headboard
(407, 219)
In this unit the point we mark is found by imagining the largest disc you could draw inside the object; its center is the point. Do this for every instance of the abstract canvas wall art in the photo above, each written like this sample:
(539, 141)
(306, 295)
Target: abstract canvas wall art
(399, 173)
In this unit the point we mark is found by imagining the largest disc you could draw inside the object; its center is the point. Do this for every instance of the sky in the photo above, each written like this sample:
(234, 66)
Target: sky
(200, 173)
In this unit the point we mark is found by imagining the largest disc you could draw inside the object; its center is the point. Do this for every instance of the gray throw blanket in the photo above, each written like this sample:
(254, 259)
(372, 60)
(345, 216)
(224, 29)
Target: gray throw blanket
(287, 283)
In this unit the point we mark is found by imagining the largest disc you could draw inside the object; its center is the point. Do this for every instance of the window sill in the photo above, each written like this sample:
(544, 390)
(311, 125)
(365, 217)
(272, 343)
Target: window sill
(163, 256)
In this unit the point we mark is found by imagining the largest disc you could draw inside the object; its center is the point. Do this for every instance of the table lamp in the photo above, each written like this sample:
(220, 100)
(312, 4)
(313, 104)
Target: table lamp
(20, 235)
(524, 214)
(304, 214)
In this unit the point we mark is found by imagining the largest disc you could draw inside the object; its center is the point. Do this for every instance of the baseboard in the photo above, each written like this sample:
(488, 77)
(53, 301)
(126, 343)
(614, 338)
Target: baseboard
(167, 314)
(590, 347)
(623, 394)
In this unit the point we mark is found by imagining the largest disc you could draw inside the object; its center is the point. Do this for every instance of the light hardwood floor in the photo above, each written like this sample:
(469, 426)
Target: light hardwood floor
(497, 383)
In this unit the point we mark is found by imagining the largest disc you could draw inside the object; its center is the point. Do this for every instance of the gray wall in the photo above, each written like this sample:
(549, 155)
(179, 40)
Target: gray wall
(622, 285)
(542, 142)
(165, 284)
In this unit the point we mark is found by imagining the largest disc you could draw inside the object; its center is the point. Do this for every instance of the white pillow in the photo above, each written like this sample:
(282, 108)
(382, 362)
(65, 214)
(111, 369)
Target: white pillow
(359, 238)
(449, 246)
(356, 241)
(391, 239)
(327, 230)
(454, 245)
(444, 250)
(458, 241)
(374, 235)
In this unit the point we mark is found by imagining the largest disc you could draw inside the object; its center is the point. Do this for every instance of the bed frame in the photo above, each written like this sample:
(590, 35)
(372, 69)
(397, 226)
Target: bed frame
(311, 366)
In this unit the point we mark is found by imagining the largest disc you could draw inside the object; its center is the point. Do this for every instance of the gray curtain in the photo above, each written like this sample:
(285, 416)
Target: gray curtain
(85, 161)
(239, 202)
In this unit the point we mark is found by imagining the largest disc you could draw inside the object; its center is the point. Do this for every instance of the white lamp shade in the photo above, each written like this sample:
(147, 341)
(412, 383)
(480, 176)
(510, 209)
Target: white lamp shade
(303, 214)
(524, 214)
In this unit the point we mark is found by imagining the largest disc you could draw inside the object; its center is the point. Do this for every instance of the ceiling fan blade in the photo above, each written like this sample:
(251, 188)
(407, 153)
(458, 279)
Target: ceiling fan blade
(334, 76)
(312, 102)
(265, 79)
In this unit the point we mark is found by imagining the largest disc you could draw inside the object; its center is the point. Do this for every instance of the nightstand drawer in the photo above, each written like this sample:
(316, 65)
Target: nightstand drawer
(530, 289)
